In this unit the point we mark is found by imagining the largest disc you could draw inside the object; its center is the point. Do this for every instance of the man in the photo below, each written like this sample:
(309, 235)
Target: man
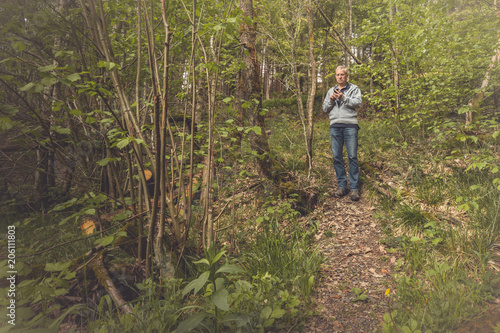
(341, 103)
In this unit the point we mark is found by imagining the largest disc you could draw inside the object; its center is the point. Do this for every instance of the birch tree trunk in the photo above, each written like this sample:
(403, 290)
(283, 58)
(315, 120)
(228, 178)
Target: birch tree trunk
(338, 38)
(313, 75)
(475, 102)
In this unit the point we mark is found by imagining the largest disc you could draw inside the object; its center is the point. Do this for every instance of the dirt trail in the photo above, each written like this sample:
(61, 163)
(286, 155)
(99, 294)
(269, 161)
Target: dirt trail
(350, 295)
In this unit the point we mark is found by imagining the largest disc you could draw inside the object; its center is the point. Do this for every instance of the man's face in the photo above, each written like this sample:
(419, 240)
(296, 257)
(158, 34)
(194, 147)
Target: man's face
(341, 77)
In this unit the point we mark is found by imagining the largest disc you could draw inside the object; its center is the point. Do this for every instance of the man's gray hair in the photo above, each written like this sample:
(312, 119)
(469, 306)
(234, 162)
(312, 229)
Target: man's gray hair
(342, 68)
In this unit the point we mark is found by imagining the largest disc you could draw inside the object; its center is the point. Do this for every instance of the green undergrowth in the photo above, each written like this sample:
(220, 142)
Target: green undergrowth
(266, 286)
(257, 277)
(441, 218)
(262, 281)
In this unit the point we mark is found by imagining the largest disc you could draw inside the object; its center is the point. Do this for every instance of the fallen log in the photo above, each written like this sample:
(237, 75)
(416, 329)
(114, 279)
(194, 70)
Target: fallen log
(105, 281)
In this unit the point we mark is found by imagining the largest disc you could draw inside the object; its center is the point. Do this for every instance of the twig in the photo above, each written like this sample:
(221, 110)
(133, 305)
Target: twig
(222, 210)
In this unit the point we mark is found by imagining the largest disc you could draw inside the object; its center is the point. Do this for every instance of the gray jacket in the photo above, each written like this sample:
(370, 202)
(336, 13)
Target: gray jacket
(345, 113)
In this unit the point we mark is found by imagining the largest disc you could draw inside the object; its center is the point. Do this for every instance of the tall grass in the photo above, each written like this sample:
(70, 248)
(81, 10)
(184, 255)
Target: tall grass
(290, 257)
(450, 264)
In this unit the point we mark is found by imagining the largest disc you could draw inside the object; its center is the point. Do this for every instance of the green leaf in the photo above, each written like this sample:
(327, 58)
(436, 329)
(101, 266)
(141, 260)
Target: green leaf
(6, 123)
(23, 314)
(220, 299)
(6, 77)
(413, 324)
(25, 283)
(108, 65)
(202, 261)
(105, 241)
(56, 267)
(140, 141)
(257, 130)
(107, 160)
(474, 187)
(189, 324)
(104, 161)
(27, 87)
(269, 322)
(197, 284)
(123, 143)
(48, 68)
(218, 256)
(278, 313)
(64, 205)
(73, 77)
(61, 53)
(48, 81)
(266, 313)
(122, 216)
(60, 130)
(19, 46)
(464, 109)
(232, 269)
(361, 297)
(60, 291)
(240, 319)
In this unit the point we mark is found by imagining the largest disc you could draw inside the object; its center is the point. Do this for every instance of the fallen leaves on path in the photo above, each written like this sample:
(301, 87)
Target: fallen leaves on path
(356, 264)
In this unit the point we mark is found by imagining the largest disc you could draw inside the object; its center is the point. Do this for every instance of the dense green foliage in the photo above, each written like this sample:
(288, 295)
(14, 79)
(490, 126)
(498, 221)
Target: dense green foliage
(95, 94)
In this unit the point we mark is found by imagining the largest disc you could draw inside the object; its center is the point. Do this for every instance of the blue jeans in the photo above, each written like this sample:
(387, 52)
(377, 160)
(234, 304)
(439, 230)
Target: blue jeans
(349, 136)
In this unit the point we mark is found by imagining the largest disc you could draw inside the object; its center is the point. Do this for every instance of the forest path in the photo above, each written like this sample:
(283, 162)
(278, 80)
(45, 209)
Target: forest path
(350, 295)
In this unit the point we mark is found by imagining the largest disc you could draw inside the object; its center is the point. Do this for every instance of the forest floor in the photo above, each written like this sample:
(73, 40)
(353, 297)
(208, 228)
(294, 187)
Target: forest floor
(350, 295)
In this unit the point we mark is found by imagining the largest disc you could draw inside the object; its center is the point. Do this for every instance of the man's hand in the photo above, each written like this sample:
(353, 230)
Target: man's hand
(337, 94)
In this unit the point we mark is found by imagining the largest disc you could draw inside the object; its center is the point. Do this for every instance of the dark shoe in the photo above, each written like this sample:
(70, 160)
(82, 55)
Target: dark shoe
(340, 192)
(354, 195)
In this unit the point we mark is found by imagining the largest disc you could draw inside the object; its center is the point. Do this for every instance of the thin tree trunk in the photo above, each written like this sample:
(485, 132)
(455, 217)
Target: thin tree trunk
(395, 67)
(164, 258)
(140, 225)
(324, 83)
(312, 89)
(249, 86)
(266, 69)
(475, 102)
(338, 38)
